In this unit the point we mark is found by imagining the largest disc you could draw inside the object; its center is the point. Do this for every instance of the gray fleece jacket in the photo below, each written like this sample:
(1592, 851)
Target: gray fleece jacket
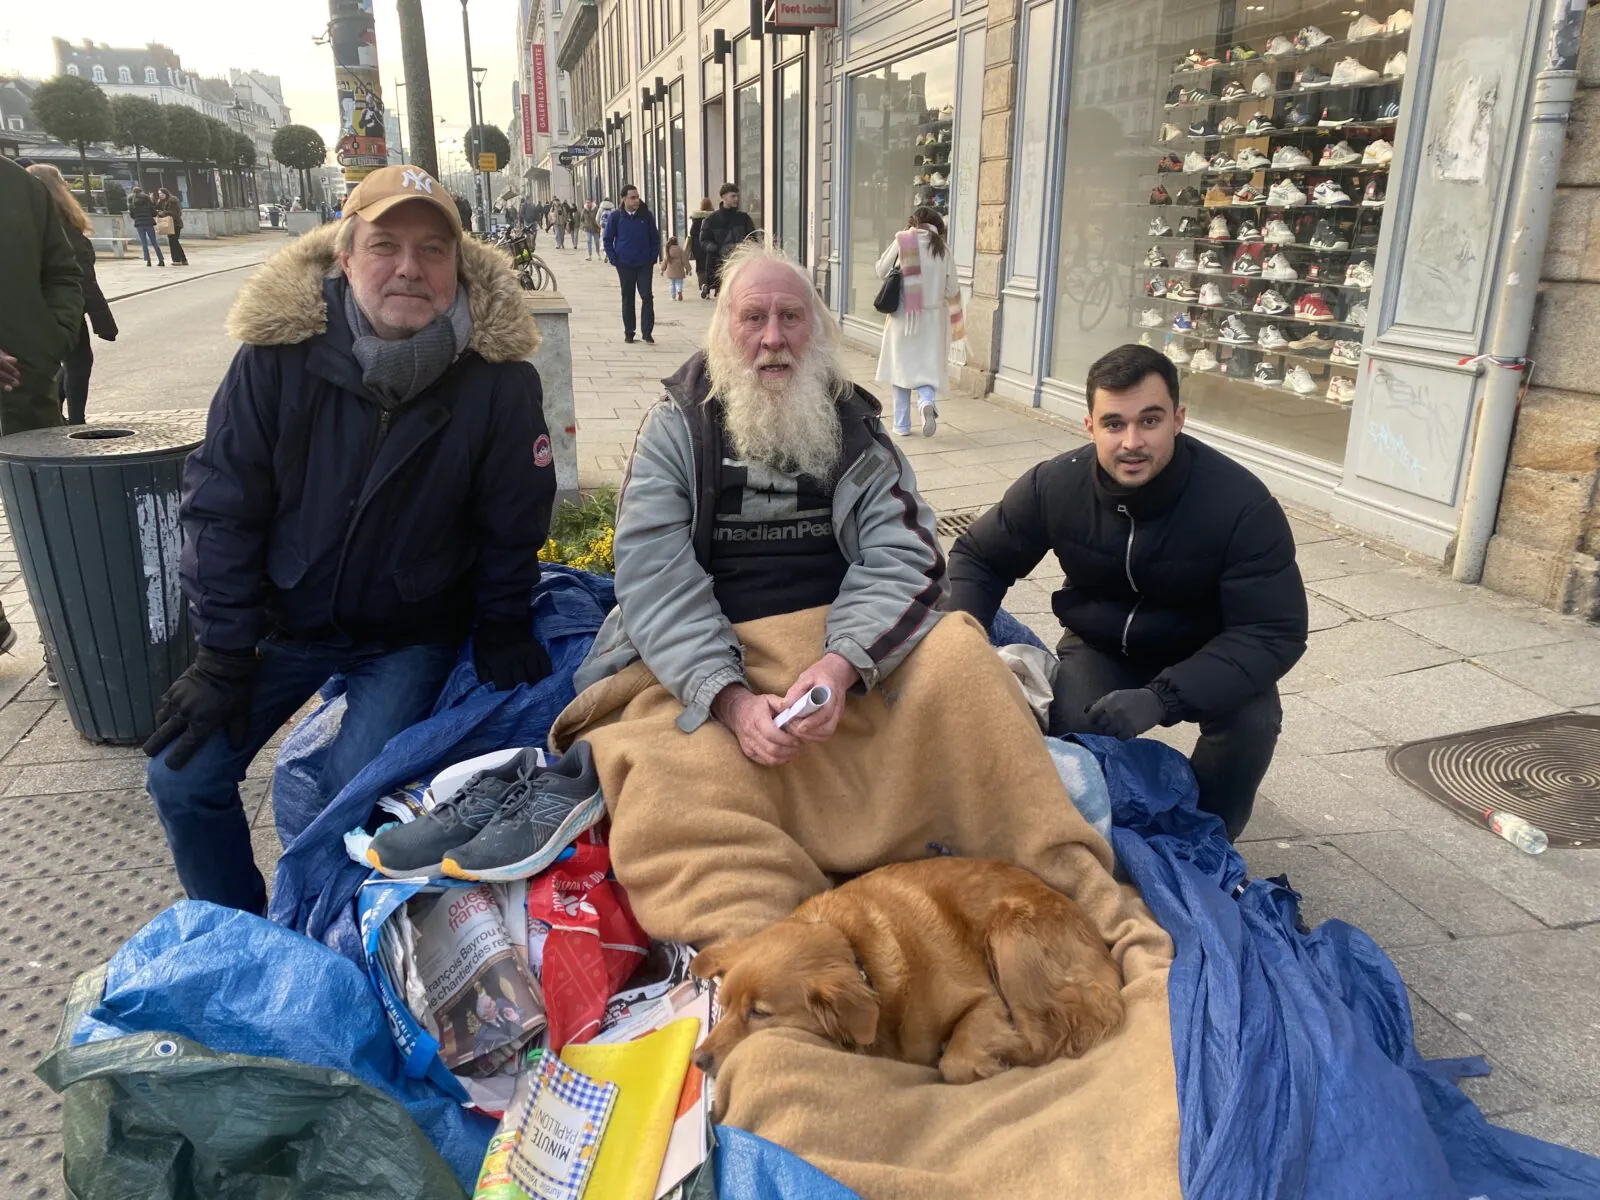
(666, 613)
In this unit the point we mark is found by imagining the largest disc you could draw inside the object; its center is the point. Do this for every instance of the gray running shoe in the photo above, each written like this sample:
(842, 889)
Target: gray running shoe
(418, 847)
(534, 826)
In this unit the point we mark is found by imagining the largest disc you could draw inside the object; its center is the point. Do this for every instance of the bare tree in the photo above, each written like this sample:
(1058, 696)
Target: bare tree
(419, 92)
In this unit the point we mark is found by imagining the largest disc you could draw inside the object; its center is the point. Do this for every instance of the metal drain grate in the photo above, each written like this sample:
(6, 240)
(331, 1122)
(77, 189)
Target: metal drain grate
(954, 524)
(1546, 771)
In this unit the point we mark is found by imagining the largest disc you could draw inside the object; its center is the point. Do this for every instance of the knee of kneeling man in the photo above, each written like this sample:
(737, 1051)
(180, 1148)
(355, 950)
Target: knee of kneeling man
(1262, 715)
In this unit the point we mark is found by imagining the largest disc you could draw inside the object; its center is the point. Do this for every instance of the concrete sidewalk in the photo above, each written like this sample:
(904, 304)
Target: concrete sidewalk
(121, 278)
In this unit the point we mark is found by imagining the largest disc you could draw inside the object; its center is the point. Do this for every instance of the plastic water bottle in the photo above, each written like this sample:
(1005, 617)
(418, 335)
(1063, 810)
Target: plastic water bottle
(1524, 835)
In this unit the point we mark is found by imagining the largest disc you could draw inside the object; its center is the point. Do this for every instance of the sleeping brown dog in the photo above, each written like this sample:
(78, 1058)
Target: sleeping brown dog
(972, 965)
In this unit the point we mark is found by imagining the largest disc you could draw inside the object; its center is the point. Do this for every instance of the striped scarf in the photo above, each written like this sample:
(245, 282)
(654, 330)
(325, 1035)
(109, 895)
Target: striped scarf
(911, 297)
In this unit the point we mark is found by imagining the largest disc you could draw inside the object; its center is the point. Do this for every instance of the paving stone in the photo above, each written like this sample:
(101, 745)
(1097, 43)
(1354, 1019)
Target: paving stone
(29, 1020)
(1313, 729)
(1467, 907)
(1527, 998)
(1013, 458)
(16, 720)
(1307, 534)
(1568, 673)
(1361, 650)
(48, 779)
(53, 739)
(1268, 822)
(1323, 615)
(1329, 560)
(1317, 800)
(1436, 1037)
(78, 921)
(1576, 1124)
(1331, 884)
(1476, 627)
(1433, 702)
(30, 1166)
(1382, 592)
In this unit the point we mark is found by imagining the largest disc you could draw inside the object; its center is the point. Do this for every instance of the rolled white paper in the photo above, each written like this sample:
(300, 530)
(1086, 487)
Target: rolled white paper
(805, 706)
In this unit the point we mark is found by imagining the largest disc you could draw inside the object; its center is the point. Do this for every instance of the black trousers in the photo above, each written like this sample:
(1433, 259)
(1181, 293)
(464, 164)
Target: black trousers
(175, 248)
(1234, 751)
(75, 369)
(640, 279)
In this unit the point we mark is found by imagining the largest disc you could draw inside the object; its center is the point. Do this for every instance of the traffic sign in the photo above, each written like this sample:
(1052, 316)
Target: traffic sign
(487, 161)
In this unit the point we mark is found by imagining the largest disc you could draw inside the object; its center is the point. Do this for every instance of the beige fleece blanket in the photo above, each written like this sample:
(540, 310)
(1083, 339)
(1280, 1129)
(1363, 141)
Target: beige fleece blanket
(711, 846)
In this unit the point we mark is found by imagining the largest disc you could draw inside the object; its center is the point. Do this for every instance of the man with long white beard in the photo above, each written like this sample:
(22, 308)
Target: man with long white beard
(765, 484)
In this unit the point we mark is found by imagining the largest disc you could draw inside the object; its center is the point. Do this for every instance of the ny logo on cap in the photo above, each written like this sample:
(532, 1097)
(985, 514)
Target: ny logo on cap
(413, 178)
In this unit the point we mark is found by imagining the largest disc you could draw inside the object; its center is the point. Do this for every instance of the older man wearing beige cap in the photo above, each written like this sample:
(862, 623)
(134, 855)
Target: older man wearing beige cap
(374, 486)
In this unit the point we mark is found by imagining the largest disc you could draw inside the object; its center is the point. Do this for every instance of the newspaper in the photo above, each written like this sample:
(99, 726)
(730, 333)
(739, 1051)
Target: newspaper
(481, 1000)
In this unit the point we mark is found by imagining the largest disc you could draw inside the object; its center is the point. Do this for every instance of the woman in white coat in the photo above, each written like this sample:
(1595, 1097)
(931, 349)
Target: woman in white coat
(915, 354)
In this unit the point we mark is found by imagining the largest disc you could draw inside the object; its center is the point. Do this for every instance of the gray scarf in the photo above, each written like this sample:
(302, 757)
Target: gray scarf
(398, 371)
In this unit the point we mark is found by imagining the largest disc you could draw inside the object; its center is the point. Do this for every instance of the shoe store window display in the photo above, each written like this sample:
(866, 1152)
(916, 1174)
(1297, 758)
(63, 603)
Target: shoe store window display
(1185, 603)
(914, 355)
(392, 506)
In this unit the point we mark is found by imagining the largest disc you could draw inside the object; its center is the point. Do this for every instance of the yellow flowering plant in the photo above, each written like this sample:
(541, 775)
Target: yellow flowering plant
(581, 533)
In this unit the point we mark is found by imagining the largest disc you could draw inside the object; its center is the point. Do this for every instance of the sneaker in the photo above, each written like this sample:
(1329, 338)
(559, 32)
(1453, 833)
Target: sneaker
(1284, 194)
(1174, 350)
(1357, 315)
(1194, 162)
(419, 847)
(1178, 289)
(1271, 338)
(1154, 258)
(1237, 366)
(1220, 161)
(1247, 195)
(1233, 90)
(1271, 304)
(1169, 162)
(1205, 327)
(1347, 354)
(8, 639)
(1203, 360)
(1296, 117)
(1185, 260)
(1399, 21)
(1247, 263)
(1196, 60)
(1190, 227)
(1160, 195)
(1237, 298)
(1189, 196)
(1211, 263)
(1218, 230)
(1170, 133)
(1341, 390)
(1159, 227)
(535, 825)
(1217, 197)
(1315, 270)
(1328, 236)
(1248, 231)
(1250, 159)
(1183, 323)
(1334, 118)
(1155, 289)
(1279, 267)
(1312, 343)
(1278, 233)
(1310, 77)
(1229, 127)
(1395, 68)
(1277, 46)
(1388, 114)
(1235, 332)
(1311, 37)
(1174, 98)
(1300, 380)
(1259, 124)
(1378, 153)
(1312, 307)
(1268, 374)
(930, 419)
(1241, 53)
(1262, 85)
(1211, 295)
(1362, 28)
(1340, 154)
(1359, 275)
(1351, 72)
(1290, 158)
(1199, 96)
(1328, 193)
(1150, 318)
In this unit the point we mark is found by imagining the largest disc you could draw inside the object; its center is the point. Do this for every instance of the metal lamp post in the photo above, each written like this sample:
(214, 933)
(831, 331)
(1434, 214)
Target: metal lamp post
(477, 77)
(472, 107)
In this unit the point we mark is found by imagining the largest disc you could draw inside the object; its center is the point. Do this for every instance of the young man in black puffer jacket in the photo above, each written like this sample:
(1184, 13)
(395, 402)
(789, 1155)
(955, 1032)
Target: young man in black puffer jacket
(1182, 600)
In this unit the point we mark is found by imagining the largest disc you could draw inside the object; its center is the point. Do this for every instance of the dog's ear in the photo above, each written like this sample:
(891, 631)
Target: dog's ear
(845, 1007)
(713, 963)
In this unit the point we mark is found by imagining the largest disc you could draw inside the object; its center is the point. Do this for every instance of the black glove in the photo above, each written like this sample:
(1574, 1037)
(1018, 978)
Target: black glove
(212, 694)
(1127, 714)
(506, 654)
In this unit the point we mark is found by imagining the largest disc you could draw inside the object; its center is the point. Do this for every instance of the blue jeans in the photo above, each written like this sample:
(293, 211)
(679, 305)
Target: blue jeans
(199, 806)
(148, 242)
(677, 288)
(902, 405)
(594, 242)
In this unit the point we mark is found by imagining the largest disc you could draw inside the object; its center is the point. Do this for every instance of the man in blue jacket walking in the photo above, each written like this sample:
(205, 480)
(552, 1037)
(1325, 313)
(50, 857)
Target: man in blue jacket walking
(633, 247)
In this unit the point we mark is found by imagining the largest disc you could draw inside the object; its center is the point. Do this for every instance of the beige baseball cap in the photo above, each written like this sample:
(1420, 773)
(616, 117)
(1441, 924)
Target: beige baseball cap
(388, 186)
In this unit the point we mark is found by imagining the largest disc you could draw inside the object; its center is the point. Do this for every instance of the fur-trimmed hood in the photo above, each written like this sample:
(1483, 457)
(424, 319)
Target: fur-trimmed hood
(283, 303)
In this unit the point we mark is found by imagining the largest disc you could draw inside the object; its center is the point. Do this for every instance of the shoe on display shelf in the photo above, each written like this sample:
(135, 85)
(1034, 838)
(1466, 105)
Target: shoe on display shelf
(1160, 195)
(527, 834)
(1235, 332)
(1189, 227)
(1169, 162)
(1399, 21)
(1174, 98)
(1299, 379)
(1218, 231)
(1378, 153)
(1271, 338)
(1238, 365)
(1183, 323)
(1217, 197)
(1313, 343)
(1311, 37)
(1178, 289)
(1346, 354)
(1271, 304)
(1341, 390)
(1315, 271)
(1237, 298)
(1250, 159)
(1262, 85)
(1312, 307)
(1309, 77)
(1154, 258)
(1284, 194)
(1352, 72)
(1150, 318)
(1241, 53)
(1199, 96)
(1328, 193)
(1388, 114)
(1144, 340)
(1247, 195)
(1278, 46)
(1296, 117)
(1230, 127)
(1247, 263)
(1197, 60)
(1340, 154)
(1259, 124)
(1155, 288)
(1220, 161)
(1233, 90)
(1159, 227)
(1211, 263)
(1359, 275)
(1184, 261)
(1248, 231)
(1170, 132)
(1328, 236)
(1210, 295)
(1187, 196)
(1174, 350)
(1290, 158)
(1205, 327)
(1396, 66)
(1357, 315)
(1268, 374)
(1279, 268)
(1334, 118)
(1194, 162)
(1200, 129)
(1278, 233)
(1203, 360)
(1362, 28)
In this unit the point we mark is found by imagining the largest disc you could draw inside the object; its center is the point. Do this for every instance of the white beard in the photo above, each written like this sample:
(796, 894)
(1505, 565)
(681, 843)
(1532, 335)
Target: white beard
(792, 427)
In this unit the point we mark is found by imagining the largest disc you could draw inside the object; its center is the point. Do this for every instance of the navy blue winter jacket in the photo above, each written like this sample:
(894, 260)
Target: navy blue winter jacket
(310, 511)
(632, 239)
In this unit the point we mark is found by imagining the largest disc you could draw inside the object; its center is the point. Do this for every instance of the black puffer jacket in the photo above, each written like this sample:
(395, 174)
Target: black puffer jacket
(1193, 573)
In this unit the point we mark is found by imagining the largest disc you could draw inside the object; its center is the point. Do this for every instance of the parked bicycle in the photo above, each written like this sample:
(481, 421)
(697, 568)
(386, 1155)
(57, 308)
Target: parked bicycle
(532, 273)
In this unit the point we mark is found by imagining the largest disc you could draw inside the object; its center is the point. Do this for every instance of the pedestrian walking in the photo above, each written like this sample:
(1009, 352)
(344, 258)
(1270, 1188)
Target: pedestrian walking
(915, 353)
(674, 265)
(633, 247)
(697, 220)
(527, 214)
(142, 210)
(171, 208)
(558, 219)
(591, 227)
(722, 232)
(572, 225)
(78, 361)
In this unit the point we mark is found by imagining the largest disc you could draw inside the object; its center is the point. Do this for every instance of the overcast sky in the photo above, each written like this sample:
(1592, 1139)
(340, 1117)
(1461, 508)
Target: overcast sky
(275, 38)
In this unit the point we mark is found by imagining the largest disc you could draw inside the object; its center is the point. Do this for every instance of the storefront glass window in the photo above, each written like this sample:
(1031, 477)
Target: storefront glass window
(790, 178)
(1224, 187)
(680, 212)
(902, 117)
(746, 58)
(747, 147)
(711, 73)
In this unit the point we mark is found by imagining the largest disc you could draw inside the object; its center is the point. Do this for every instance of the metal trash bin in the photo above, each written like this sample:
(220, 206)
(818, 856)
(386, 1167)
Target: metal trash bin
(93, 511)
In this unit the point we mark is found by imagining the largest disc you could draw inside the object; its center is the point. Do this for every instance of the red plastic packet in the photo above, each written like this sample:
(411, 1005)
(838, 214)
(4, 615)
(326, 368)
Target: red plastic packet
(593, 945)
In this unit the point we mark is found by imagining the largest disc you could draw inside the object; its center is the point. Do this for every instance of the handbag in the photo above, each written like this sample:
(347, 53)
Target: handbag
(888, 298)
(165, 227)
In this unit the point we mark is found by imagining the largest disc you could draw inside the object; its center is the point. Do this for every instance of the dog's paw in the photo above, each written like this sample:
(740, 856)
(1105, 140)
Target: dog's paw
(967, 1068)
